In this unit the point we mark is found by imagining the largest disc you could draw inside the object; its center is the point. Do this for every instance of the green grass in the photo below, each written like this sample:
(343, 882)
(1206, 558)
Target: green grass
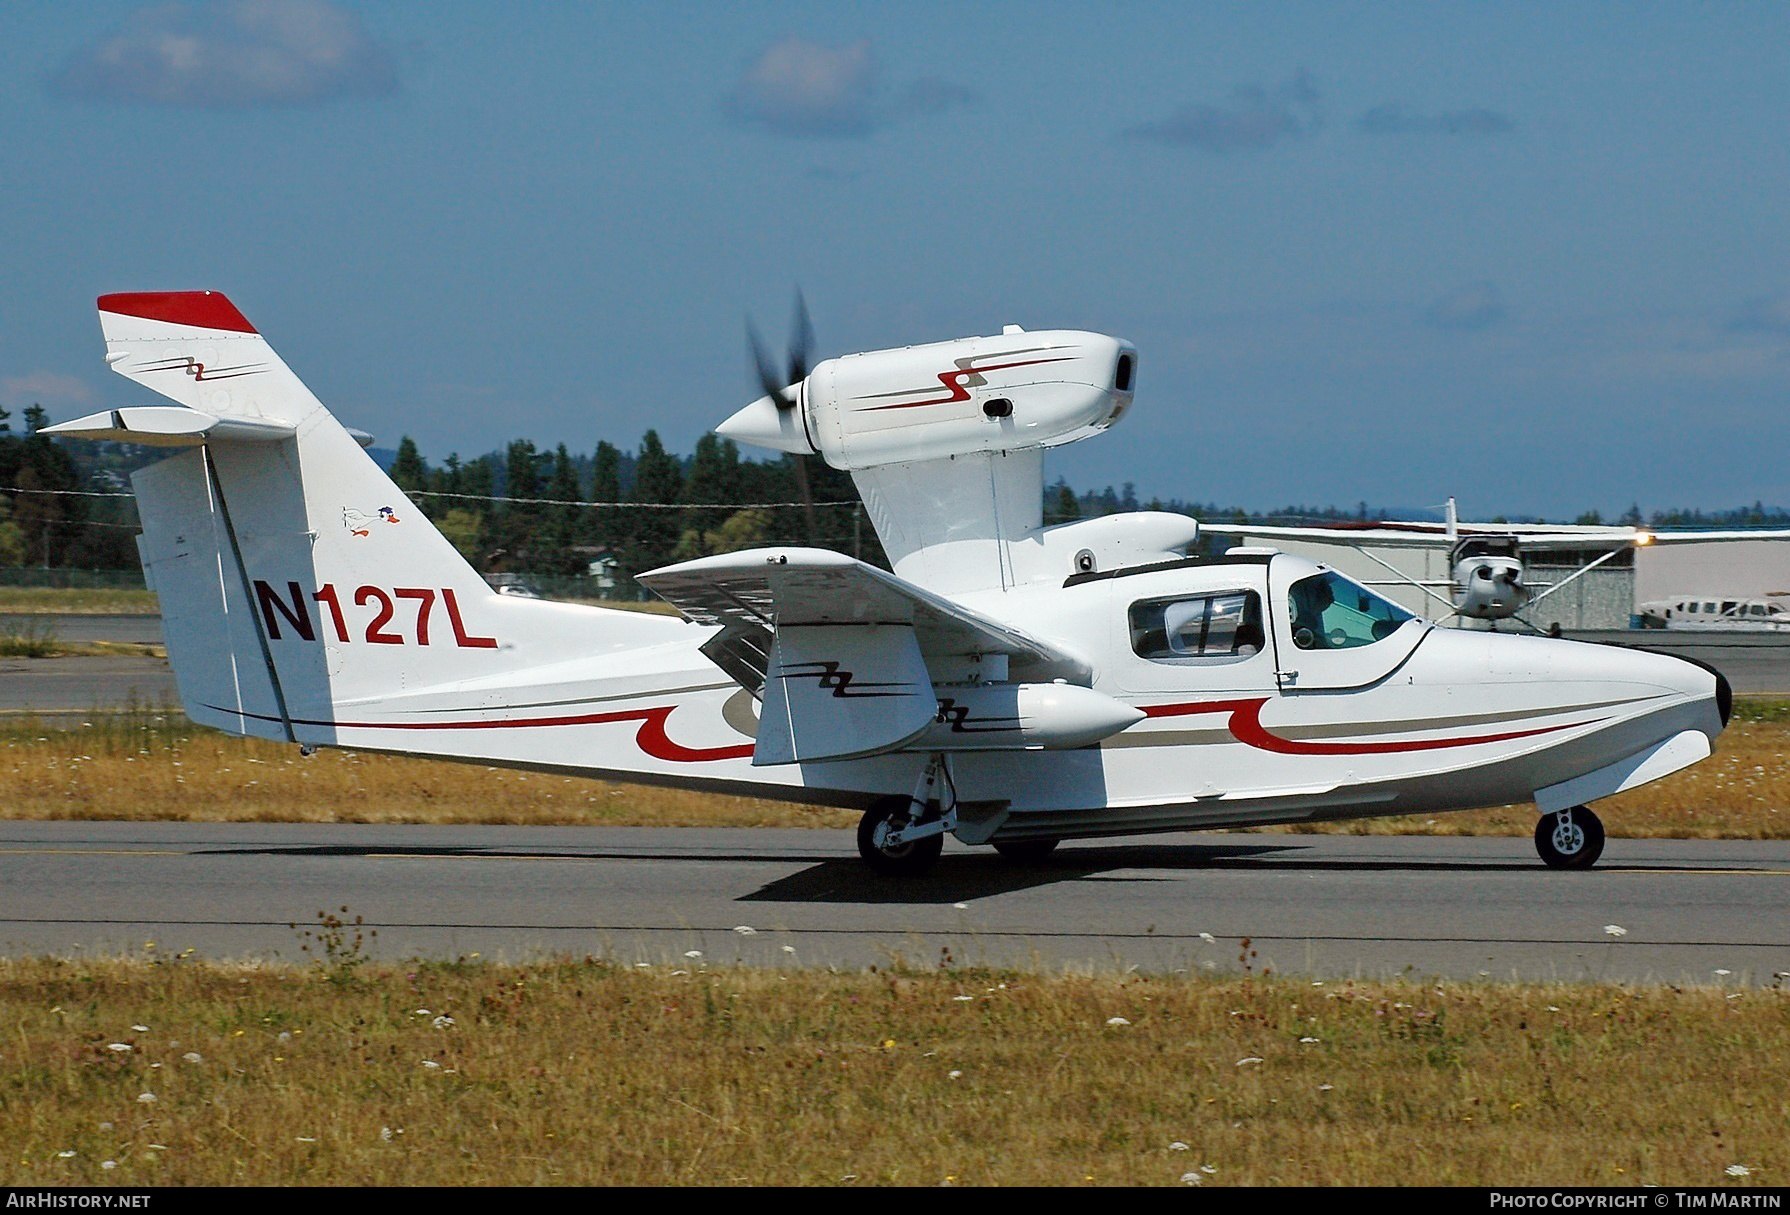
(1760, 708)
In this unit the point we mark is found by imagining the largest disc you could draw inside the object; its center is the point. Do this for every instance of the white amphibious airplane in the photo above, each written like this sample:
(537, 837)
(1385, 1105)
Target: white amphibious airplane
(1713, 613)
(1485, 559)
(1009, 683)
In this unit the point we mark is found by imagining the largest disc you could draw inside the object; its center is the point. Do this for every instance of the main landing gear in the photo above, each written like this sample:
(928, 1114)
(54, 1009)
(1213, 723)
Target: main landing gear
(1570, 839)
(887, 838)
(903, 836)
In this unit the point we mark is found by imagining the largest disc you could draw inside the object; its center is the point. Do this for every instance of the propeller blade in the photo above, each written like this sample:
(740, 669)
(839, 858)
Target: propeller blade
(761, 365)
(801, 341)
(801, 345)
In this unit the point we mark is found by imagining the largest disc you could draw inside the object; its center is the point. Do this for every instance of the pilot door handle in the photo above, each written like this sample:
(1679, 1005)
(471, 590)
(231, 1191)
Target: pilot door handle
(1287, 676)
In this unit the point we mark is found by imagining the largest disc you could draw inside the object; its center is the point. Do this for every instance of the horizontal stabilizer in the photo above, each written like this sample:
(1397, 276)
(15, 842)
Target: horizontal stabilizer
(169, 426)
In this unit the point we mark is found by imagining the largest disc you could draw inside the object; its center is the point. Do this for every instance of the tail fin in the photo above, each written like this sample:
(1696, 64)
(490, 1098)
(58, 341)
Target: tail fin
(295, 579)
(195, 348)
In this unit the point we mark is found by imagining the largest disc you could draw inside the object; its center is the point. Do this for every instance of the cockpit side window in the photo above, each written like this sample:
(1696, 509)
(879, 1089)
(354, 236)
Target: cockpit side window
(1223, 625)
(1329, 612)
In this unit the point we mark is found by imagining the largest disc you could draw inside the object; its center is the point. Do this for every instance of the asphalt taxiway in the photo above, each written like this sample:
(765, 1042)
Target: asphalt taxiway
(1319, 906)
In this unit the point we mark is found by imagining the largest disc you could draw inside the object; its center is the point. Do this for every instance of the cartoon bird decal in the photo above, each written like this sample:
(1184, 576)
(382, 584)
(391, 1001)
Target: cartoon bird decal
(360, 523)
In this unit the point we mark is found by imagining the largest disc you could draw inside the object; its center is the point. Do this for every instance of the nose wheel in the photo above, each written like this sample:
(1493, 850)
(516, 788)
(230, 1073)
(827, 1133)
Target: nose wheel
(1570, 839)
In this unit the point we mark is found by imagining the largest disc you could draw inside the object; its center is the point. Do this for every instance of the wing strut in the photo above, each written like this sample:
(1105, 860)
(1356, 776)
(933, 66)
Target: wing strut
(1569, 579)
(1407, 579)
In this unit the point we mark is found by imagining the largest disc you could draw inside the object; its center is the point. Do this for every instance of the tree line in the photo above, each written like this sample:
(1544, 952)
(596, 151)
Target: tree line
(47, 514)
(638, 509)
(526, 510)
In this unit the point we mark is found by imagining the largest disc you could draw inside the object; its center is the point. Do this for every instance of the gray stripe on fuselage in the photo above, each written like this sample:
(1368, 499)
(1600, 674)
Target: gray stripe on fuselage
(1194, 738)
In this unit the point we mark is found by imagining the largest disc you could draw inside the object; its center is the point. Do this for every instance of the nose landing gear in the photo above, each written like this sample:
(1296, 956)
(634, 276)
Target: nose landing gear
(1570, 839)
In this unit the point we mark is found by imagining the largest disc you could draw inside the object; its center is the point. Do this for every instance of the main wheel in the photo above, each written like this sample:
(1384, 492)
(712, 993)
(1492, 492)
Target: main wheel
(904, 860)
(1026, 851)
(1571, 839)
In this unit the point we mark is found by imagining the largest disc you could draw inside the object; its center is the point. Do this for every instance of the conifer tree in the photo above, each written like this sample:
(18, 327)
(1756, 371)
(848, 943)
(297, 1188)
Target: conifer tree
(658, 480)
(409, 472)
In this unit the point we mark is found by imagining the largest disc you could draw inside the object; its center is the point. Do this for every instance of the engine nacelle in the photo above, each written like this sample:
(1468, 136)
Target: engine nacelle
(1491, 587)
(1023, 717)
(1013, 392)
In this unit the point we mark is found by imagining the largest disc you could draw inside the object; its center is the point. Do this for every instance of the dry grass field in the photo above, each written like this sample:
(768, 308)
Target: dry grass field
(163, 767)
(49, 600)
(585, 1072)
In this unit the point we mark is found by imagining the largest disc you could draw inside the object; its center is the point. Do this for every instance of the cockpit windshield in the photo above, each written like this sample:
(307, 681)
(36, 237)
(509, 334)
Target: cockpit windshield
(1329, 612)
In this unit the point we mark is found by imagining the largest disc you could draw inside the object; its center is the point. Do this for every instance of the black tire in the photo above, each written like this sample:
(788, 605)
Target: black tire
(1026, 851)
(1573, 845)
(909, 860)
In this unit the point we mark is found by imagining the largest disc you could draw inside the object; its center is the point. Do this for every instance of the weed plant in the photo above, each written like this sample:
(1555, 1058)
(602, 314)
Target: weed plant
(29, 640)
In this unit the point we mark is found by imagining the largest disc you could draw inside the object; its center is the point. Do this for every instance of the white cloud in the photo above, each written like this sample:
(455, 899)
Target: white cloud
(935, 95)
(231, 54)
(797, 87)
(810, 90)
(1255, 118)
(43, 388)
(1763, 314)
(1396, 118)
(1474, 306)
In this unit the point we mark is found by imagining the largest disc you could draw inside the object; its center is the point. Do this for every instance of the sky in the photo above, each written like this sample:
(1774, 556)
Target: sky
(1533, 256)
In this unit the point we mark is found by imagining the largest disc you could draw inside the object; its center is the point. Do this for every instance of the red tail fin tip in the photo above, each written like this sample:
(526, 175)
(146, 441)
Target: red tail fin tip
(200, 309)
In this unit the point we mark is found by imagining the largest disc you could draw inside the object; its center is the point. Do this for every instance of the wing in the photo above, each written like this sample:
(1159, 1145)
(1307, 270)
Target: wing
(1349, 535)
(1534, 537)
(1686, 537)
(842, 655)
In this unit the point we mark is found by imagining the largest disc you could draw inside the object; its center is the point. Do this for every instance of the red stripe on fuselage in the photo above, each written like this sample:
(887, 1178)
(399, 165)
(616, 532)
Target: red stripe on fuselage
(1246, 727)
(650, 738)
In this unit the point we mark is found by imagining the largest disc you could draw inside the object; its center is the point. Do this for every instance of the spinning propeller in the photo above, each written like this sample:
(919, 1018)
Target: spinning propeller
(801, 343)
(784, 391)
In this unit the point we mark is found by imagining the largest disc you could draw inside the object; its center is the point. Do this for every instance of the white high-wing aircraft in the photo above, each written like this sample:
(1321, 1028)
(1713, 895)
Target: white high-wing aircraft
(1485, 559)
(1009, 683)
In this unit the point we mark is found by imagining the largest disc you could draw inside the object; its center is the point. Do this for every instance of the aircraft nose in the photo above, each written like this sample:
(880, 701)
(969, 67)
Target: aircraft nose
(1724, 691)
(1692, 676)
